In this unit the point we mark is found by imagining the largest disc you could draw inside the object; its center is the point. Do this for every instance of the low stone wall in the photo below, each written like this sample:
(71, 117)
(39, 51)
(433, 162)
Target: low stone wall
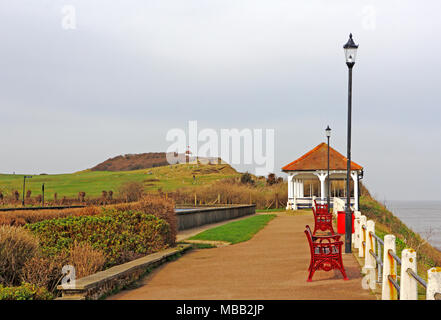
(99, 284)
(191, 218)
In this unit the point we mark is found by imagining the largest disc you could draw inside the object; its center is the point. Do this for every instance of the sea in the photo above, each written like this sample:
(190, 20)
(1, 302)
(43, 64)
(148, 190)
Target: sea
(423, 217)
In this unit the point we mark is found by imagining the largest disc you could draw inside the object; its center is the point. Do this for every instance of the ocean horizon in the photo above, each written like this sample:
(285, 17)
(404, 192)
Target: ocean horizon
(423, 217)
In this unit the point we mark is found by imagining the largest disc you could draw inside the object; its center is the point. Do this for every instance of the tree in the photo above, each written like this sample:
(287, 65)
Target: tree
(246, 178)
(271, 179)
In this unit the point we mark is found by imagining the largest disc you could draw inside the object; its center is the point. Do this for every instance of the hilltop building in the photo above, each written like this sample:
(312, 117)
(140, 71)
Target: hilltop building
(313, 165)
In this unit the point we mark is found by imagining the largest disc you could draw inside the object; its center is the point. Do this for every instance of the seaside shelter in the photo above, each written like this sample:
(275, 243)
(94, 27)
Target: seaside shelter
(312, 167)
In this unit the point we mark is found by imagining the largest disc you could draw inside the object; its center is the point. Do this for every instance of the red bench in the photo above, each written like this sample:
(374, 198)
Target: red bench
(322, 221)
(325, 253)
(321, 208)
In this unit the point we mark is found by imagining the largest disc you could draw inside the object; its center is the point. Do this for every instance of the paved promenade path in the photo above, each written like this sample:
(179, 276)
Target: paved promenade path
(272, 265)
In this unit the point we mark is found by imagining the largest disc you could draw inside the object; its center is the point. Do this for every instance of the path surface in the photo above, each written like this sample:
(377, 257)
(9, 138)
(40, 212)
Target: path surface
(272, 265)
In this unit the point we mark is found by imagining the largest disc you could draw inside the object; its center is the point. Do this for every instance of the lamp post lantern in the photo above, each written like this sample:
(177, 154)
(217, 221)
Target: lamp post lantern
(328, 135)
(350, 49)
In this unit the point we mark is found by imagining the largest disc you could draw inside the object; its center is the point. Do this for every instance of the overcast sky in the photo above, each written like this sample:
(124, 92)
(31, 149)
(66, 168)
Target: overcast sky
(131, 70)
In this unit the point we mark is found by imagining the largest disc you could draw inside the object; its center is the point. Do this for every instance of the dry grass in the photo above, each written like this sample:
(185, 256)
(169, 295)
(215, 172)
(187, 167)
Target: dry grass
(232, 191)
(22, 217)
(47, 271)
(16, 247)
(85, 259)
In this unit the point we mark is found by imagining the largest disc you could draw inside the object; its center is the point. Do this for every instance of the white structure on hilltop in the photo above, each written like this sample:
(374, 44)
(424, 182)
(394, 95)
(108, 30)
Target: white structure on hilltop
(313, 165)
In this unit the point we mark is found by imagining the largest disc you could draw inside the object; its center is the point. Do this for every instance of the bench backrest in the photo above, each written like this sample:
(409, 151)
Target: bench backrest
(309, 237)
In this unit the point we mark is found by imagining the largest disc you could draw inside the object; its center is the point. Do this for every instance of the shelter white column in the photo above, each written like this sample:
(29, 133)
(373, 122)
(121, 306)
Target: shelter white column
(354, 175)
(296, 193)
(295, 188)
(322, 178)
(290, 192)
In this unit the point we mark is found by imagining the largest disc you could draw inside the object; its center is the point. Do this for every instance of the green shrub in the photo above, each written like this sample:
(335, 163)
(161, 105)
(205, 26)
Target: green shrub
(24, 292)
(17, 245)
(159, 207)
(117, 234)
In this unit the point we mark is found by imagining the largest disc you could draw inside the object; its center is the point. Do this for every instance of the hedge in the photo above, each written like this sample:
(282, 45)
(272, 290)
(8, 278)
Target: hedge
(24, 292)
(121, 235)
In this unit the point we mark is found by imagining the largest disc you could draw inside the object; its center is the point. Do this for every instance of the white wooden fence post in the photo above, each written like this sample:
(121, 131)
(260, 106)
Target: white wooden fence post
(408, 285)
(370, 264)
(388, 291)
(356, 241)
(361, 250)
(433, 283)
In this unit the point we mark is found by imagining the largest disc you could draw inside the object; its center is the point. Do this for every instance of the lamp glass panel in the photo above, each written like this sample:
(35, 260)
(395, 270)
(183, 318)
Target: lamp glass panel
(350, 54)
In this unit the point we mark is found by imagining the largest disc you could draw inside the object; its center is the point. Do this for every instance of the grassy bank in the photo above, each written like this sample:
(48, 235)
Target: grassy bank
(237, 231)
(167, 178)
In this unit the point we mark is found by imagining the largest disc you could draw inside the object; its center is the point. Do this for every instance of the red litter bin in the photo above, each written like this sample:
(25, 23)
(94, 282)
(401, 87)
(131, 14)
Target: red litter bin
(341, 222)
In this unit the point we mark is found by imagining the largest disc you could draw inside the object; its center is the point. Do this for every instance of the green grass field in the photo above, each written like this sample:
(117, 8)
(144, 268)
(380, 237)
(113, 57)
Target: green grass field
(168, 178)
(236, 231)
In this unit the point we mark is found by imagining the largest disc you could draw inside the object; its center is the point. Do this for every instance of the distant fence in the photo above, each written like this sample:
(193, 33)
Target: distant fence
(260, 200)
(381, 263)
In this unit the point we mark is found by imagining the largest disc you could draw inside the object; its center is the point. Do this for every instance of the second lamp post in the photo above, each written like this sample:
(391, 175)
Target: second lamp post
(328, 135)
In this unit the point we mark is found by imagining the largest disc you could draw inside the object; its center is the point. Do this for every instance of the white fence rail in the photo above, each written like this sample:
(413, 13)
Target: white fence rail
(381, 264)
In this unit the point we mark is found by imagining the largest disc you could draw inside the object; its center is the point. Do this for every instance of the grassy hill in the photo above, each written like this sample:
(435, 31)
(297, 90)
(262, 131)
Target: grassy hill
(93, 182)
(148, 160)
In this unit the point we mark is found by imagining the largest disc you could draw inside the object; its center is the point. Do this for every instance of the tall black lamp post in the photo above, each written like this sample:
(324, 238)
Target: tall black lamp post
(24, 187)
(350, 52)
(328, 135)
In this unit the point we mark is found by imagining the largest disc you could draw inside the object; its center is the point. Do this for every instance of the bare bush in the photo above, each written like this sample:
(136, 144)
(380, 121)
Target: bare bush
(131, 191)
(81, 196)
(44, 271)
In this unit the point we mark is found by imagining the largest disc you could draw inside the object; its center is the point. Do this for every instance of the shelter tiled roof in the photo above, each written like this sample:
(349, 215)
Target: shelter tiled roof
(317, 159)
